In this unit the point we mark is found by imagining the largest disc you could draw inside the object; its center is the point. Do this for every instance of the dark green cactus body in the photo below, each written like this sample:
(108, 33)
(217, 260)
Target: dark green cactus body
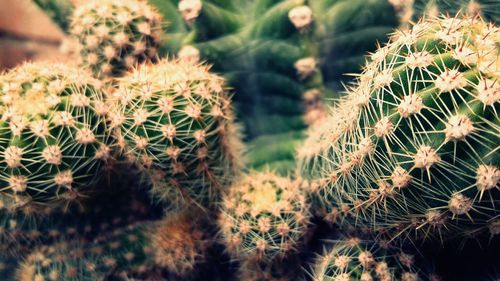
(413, 149)
(257, 44)
(488, 9)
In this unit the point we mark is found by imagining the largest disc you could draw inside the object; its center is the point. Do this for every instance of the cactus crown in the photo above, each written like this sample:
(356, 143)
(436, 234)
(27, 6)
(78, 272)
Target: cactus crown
(116, 35)
(419, 148)
(53, 133)
(175, 120)
(264, 216)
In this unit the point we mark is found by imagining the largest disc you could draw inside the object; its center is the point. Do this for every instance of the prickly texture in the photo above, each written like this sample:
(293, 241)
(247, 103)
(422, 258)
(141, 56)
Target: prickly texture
(115, 35)
(53, 134)
(263, 217)
(413, 149)
(58, 10)
(174, 119)
(82, 261)
(175, 244)
(488, 9)
(273, 53)
(180, 244)
(353, 259)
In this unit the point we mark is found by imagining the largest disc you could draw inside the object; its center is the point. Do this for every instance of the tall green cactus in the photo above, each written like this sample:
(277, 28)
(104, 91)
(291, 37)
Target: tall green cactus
(413, 148)
(174, 119)
(272, 53)
(114, 36)
(53, 134)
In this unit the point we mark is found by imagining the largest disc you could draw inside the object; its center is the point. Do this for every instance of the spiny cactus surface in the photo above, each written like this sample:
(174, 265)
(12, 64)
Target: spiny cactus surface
(174, 119)
(353, 259)
(488, 9)
(263, 217)
(116, 35)
(175, 244)
(53, 134)
(413, 149)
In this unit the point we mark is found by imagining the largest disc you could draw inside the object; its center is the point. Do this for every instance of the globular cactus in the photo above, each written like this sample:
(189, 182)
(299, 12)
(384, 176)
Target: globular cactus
(263, 217)
(174, 120)
(54, 138)
(116, 35)
(175, 246)
(413, 148)
(354, 259)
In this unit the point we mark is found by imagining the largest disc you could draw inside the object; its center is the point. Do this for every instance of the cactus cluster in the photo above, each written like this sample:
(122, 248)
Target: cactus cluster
(264, 217)
(53, 132)
(413, 148)
(114, 36)
(175, 244)
(352, 258)
(174, 120)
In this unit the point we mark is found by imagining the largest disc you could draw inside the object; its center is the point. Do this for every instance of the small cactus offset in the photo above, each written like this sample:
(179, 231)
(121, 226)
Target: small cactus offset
(263, 217)
(54, 137)
(354, 259)
(414, 148)
(116, 35)
(174, 119)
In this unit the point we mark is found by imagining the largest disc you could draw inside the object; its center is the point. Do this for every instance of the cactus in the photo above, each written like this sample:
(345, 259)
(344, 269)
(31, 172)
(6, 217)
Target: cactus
(413, 149)
(58, 10)
(175, 244)
(351, 258)
(488, 9)
(114, 36)
(54, 137)
(273, 53)
(175, 121)
(263, 217)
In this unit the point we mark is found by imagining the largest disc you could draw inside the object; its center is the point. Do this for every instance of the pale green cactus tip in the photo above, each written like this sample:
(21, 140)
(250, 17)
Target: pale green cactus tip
(114, 36)
(413, 146)
(175, 120)
(54, 136)
(263, 217)
(355, 259)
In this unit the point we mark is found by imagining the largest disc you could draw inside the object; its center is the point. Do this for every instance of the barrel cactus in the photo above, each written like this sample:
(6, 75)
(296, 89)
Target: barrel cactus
(174, 120)
(116, 35)
(351, 258)
(413, 148)
(54, 137)
(263, 217)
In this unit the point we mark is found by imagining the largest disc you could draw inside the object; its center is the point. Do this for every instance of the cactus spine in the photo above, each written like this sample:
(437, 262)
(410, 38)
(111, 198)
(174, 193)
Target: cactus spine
(54, 137)
(263, 217)
(175, 121)
(416, 152)
(116, 35)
